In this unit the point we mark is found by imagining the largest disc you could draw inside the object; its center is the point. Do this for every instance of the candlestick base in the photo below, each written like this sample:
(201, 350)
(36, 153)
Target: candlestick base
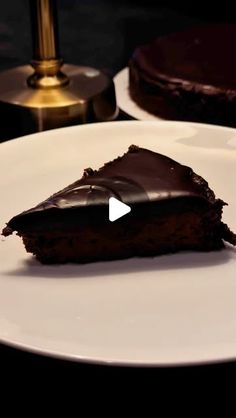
(89, 96)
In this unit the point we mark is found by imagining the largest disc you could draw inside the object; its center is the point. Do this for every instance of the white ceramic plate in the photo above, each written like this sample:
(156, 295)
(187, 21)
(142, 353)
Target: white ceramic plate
(124, 100)
(175, 309)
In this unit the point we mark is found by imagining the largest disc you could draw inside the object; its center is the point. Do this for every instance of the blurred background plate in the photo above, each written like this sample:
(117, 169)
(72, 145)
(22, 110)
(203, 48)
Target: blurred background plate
(125, 102)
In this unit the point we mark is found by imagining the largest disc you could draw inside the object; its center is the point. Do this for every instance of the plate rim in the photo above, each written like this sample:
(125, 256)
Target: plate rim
(53, 354)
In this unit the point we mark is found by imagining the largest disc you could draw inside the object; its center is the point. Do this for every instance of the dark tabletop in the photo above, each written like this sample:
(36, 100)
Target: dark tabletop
(102, 34)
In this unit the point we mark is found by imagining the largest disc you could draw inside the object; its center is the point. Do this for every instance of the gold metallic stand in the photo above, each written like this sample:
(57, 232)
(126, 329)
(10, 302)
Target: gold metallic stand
(48, 94)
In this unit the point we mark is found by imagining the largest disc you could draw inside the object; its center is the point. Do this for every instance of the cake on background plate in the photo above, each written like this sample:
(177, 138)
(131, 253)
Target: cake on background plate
(173, 209)
(188, 75)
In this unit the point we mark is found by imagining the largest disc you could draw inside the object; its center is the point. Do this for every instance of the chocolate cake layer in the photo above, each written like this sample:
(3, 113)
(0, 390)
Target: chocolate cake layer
(173, 209)
(188, 75)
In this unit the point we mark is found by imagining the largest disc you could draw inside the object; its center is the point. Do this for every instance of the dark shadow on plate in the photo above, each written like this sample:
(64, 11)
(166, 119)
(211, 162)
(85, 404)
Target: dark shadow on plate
(184, 260)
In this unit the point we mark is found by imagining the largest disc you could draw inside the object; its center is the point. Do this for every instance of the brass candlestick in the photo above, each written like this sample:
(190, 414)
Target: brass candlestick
(48, 94)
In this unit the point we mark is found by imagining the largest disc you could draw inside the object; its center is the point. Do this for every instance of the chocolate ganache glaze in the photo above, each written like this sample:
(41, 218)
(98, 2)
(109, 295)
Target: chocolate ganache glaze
(138, 177)
(188, 75)
(173, 209)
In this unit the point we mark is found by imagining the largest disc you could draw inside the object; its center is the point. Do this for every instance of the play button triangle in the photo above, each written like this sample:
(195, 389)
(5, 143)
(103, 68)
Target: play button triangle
(117, 209)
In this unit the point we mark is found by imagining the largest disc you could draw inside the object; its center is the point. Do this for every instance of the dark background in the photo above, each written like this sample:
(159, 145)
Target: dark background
(103, 34)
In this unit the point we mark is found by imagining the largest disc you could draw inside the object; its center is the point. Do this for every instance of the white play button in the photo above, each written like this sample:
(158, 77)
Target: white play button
(117, 209)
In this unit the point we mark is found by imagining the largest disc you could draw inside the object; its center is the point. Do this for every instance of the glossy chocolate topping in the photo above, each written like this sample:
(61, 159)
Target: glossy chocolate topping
(139, 176)
(201, 55)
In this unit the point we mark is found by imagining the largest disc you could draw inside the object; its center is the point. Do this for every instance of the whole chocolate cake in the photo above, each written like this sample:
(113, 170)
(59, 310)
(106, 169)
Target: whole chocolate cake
(189, 75)
(173, 209)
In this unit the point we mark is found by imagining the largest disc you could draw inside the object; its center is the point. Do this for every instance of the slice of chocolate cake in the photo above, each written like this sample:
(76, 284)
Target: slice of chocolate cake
(189, 75)
(173, 209)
